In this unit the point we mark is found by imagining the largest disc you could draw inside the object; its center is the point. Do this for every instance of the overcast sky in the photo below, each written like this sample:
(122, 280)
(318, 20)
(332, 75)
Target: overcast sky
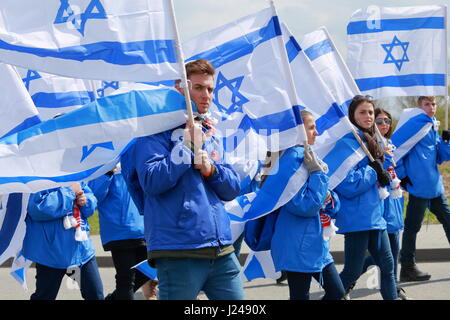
(301, 16)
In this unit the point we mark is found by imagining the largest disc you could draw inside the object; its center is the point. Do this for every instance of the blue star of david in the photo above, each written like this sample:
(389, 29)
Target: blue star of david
(114, 85)
(87, 151)
(65, 14)
(31, 75)
(390, 57)
(237, 99)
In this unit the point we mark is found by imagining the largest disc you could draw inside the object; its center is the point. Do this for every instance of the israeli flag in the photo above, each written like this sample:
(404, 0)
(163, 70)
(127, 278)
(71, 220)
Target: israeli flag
(254, 109)
(334, 145)
(328, 63)
(145, 269)
(90, 39)
(133, 111)
(18, 111)
(140, 112)
(398, 51)
(54, 95)
(13, 210)
(412, 126)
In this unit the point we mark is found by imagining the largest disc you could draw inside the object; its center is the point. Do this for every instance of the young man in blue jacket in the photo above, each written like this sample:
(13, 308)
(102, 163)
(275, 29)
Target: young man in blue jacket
(184, 181)
(54, 245)
(420, 175)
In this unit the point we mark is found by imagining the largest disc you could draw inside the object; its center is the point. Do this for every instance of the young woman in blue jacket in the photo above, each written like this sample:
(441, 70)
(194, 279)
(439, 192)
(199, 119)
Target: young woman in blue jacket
(360, 217)
(55, 246)
(298, 246)
(393, 205)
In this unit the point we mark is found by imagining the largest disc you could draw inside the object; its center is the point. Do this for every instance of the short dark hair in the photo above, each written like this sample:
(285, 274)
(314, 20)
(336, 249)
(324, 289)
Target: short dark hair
(381, 110)
(200, 66)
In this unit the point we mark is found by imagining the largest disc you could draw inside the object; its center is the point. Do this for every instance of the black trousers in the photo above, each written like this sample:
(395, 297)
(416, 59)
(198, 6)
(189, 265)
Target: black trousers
(128, 280)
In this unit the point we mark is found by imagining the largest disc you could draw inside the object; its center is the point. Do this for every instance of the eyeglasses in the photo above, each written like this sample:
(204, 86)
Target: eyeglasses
(386, 120)
(359, 97)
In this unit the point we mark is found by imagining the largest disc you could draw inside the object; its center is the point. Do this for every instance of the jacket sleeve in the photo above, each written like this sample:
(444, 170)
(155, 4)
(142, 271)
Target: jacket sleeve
(333, 207)
(100, 186)
(358, 181)
(51, 204)
(91, 202)
(225, 182)
(443, 151)
(308, 201)
(158, 166)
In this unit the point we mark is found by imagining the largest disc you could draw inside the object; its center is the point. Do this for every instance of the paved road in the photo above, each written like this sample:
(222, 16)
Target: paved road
(433, 256)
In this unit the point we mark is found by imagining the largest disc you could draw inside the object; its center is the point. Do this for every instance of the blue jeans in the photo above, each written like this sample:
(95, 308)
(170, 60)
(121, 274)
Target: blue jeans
(48, 281)
(415, 213)
(377, 242)
(300, 283)
(394, 241)
(184, 278)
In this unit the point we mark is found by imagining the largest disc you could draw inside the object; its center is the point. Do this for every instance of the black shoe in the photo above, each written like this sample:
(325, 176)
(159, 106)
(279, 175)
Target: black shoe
(410, 272)
(282, 278)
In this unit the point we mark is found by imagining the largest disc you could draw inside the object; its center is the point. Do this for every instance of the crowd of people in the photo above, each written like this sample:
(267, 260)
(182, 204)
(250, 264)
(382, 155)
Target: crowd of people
(165, 203)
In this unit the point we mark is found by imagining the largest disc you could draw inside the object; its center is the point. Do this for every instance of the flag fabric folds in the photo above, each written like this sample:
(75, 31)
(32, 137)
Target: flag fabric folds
(54, 95)
(250, 100)
(133, 111)
(18, 111)
(90, 39)
(145, 268)
(13, 210)
(398, 51)
(412, 126)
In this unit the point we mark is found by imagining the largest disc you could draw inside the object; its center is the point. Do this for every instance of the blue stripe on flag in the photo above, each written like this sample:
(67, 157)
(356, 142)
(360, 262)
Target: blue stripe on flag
(69, 177)
(409, 80)
(409, 129)
(254, 269)
(344, 147)
(11, 220)
(146, 102)
(130, 53)
(329, 119)
(368, 26)
(319, 49)
(241, 46)
(62, 99)
(292, 48)
(27, 123)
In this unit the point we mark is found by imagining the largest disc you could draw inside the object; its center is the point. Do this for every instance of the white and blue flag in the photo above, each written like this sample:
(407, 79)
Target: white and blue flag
(87, 142)
(90, 39)
(398, 51)
(18, 111)
(412, 126)
(13, 210)
(54, 94)
(145, 269)
(328, 63)
(250, 100)
(332, 145)
(19, 269)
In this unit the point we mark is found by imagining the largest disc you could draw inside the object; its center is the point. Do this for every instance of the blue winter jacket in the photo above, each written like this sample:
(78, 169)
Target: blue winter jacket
(46, 241)
(182, 209)
(297, 243)
(118, 216)
(420, 164)
(361, 206)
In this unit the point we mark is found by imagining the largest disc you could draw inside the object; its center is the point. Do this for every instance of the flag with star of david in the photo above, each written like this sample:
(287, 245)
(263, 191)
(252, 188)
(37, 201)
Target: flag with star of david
(398, 51)
(254, 110)
(91, 39)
